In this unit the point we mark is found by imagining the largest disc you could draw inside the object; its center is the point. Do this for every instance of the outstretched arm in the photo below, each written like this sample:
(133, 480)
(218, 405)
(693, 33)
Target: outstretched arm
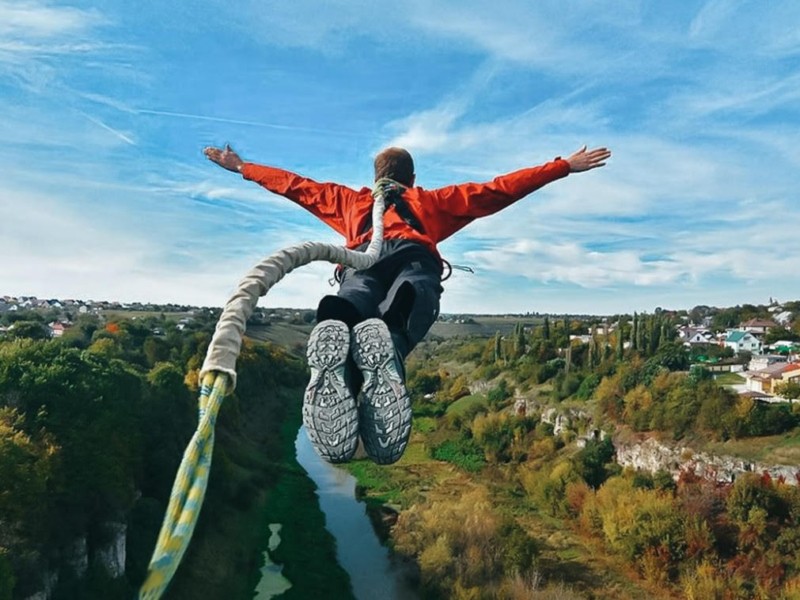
(470, 201)
(584, 160)
(225, 158)
(324, 200)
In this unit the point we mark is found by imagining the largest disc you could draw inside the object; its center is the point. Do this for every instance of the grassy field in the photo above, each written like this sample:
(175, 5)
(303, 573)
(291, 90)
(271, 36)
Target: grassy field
(113, 315)
(462, 405)
(783, 449)
(481, 326)
(729, 379)
(293, 337)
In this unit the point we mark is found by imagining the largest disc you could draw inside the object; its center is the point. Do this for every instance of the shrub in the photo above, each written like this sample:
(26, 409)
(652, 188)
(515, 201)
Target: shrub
(462, 452)
(587, 386)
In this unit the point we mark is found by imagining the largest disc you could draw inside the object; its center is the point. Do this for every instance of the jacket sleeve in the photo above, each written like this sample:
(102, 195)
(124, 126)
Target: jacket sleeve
(324, 200)
(474, 200)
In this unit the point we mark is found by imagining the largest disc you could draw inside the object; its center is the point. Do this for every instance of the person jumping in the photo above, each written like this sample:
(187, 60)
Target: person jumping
(365, 331)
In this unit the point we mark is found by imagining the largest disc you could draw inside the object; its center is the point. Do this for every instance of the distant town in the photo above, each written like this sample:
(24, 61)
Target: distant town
(763, 350)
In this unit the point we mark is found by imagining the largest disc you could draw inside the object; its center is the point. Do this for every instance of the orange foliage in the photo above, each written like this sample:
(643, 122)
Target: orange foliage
(575, 495)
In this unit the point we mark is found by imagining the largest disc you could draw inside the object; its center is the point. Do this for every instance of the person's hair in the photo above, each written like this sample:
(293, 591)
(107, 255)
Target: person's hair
(395, 163)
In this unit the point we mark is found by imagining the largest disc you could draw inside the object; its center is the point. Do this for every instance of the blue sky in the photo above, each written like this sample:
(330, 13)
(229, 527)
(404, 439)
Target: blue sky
(106, 105)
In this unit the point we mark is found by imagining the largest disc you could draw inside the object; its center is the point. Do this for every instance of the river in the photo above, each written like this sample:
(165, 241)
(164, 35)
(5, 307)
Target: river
(373, 573)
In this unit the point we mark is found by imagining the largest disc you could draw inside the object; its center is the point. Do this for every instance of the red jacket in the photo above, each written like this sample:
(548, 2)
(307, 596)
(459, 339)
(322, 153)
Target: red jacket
(441, 212)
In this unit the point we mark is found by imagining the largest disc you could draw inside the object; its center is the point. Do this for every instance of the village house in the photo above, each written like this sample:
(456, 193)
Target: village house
(695, 335)
(600, 329)
(758, 327)
(583, 339)
(765, 380)
(791, 373)
(742, 341)
(761, 362)
(57, 329)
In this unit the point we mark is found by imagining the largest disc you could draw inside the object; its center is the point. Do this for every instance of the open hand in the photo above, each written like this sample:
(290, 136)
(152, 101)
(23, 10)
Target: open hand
(224, 157)
(583, 160)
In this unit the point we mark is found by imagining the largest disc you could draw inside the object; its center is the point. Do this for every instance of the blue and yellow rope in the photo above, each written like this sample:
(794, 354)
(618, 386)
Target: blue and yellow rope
(188, 491)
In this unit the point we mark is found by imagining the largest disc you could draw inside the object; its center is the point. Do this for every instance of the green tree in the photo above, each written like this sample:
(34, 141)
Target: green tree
(672, 356)
(751, 491)
(26, 466)
(155, 350)
(640, 335)
(33, 330)
(7, 579)
(88, 403)
(422, 382)
(520, 342)
(654, 333)
(789, 389)
(499, 394)
(592, 460)
(81, 332)
(587, 386)
(495, 434)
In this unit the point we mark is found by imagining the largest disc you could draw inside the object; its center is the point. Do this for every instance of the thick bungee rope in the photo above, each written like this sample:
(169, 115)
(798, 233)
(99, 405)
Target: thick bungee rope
(218, 377)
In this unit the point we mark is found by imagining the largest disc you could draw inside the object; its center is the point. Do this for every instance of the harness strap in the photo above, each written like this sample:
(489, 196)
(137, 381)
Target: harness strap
(393, 193)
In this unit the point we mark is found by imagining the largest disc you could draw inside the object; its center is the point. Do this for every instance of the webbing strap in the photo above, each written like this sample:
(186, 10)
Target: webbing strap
(393, 194)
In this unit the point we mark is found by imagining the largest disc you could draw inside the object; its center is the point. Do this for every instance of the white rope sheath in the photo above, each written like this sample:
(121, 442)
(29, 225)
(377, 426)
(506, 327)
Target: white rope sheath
(227, 341)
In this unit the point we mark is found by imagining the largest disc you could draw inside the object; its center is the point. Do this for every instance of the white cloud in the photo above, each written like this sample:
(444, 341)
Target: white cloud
(100, 255)
(748, 28)
(506, 30)
(745, 93)
(32, 19)
(326, 27)
(701, 120)
(712, 17)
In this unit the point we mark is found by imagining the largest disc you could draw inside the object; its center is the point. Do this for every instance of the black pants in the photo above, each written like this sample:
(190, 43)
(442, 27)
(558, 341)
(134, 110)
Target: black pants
(402, 288)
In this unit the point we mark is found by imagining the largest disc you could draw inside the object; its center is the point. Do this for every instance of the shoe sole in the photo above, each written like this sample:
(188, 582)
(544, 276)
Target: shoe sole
(384, 412)
(329, 409)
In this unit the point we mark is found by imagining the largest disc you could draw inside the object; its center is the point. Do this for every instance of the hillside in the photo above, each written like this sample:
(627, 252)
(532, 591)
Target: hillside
(511, 486)
(92, 428)
(514, 448)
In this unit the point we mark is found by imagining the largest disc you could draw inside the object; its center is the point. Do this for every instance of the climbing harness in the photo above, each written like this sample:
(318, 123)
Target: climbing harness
(447, 271)
(393, 196)
(218, 377)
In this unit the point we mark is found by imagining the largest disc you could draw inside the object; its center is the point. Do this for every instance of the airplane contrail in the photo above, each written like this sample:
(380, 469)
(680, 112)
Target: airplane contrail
(108, 128)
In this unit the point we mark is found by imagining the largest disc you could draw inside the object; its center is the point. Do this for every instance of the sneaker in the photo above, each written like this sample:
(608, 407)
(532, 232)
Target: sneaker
(329, 409)
(384, 412)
